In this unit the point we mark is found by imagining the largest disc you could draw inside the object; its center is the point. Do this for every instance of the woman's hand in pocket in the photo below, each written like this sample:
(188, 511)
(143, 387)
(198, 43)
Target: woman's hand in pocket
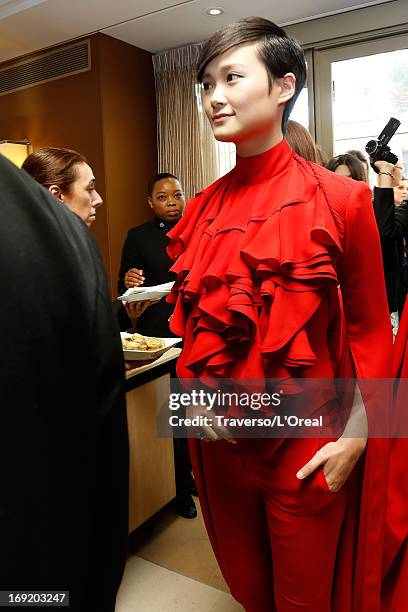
(337, 460)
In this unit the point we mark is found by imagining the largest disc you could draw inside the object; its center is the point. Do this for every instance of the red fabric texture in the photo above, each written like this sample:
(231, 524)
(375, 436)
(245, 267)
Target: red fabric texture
(253, 554)
(259, 256)
(395, 567)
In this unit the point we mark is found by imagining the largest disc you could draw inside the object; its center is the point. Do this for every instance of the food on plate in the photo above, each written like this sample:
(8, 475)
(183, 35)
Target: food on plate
(154, 344)
(137, 342)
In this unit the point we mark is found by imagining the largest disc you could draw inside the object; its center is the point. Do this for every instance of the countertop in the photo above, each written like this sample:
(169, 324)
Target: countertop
(161, 365)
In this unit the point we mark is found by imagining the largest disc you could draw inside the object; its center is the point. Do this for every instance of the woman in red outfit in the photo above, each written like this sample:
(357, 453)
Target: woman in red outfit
(395, 559)
(392, 223)
(294, 523)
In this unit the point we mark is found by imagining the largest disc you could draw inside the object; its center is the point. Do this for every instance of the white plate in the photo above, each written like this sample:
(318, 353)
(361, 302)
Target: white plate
(132, 355)
(142, 294)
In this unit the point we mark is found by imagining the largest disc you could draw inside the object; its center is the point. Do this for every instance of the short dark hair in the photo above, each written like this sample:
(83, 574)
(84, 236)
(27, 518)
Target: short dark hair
(356, 167)
(54, 166)
(279, 52)
(159, 177)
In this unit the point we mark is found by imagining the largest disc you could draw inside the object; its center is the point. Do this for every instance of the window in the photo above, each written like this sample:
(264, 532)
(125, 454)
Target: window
(359, 87)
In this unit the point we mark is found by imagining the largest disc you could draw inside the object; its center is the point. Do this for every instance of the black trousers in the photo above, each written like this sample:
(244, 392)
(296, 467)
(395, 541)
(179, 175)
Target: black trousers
(182, 467)
(182, 462)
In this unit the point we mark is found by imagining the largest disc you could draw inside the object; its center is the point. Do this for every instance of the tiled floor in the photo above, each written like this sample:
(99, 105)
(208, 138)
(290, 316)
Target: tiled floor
(180, 545)
(172, 567)
(147, 587)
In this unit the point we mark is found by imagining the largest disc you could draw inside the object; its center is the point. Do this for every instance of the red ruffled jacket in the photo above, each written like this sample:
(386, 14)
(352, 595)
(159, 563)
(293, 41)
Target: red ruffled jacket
(259, 256)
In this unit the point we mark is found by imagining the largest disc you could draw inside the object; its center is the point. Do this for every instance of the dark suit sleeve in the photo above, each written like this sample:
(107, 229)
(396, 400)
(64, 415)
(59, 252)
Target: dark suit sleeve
(392, 221)
(131, 258)
(63, 434)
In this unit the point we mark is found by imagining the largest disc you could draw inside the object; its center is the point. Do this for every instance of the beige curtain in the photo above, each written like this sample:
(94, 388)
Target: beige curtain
(186, 144)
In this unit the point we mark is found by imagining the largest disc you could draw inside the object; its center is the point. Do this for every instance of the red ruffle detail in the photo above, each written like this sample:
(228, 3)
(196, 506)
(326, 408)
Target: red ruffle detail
(253, 264)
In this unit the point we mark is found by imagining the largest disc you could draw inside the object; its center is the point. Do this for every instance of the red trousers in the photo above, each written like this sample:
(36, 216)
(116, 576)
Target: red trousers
(275, 537)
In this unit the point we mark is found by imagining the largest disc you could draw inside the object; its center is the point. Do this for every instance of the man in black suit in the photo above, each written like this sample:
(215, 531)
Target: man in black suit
(145, 262)
(63, 433)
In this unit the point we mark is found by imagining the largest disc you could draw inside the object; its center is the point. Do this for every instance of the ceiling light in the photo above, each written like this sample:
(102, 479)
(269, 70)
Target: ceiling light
(214, 11)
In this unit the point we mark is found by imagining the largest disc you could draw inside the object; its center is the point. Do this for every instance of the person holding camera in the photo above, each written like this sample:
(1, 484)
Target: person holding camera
(392, 222)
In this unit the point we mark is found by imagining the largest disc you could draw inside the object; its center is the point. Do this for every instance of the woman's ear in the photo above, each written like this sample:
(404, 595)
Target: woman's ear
(149, 201)
(56, 192)
(288, 85)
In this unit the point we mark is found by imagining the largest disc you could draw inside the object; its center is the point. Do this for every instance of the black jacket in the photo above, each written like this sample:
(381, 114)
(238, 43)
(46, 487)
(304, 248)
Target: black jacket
(392, 224)
(145, 248)
(63, 434)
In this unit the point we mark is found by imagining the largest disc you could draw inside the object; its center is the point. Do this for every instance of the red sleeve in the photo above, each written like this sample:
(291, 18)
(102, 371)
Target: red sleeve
(362, 284)
(369, 339)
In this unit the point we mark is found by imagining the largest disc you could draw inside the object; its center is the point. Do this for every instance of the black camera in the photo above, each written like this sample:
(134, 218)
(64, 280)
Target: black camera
(378, 149)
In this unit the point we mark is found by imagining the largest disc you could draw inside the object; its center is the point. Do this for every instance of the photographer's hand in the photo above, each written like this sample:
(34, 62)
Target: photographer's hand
(388, 174)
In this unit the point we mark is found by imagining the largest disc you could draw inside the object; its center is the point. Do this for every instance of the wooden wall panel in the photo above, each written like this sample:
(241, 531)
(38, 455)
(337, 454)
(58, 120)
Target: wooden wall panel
(128, 106)
(62, 113)
(109, 115)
